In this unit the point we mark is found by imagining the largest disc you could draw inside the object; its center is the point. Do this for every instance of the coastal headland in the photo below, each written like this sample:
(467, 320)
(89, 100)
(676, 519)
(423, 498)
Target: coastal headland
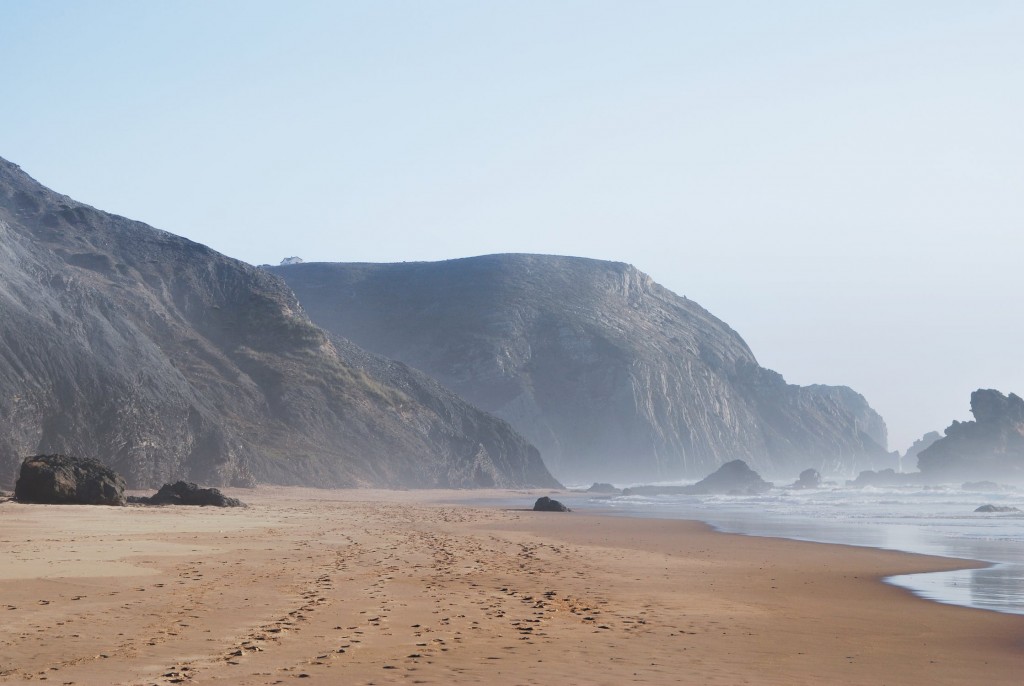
(378, 587)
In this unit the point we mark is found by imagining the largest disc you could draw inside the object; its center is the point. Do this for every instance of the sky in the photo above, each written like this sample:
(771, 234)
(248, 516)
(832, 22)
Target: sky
(841, 182)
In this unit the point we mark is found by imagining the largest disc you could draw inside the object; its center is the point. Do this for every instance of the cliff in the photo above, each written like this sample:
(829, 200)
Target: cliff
(611, 375)
(167, 360)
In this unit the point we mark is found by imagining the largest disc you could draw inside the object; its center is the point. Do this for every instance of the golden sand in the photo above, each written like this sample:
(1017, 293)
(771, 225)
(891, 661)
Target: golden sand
(372, 587)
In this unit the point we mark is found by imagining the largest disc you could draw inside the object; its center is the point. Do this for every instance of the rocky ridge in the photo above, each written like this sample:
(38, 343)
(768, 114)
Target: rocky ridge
(611, 375)
(167, 360)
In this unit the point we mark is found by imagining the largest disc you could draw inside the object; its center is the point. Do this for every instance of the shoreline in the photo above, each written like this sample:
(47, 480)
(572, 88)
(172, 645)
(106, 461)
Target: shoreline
(416, 586)
(977, 584)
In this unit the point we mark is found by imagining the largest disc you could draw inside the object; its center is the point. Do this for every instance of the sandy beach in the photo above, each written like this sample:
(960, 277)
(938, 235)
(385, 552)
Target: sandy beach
(372, 587)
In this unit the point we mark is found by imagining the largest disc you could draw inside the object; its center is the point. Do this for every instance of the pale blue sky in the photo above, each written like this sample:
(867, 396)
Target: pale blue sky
(842, 182)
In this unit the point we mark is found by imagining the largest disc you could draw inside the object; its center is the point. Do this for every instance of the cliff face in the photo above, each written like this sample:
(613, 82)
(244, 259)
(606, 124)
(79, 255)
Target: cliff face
(990, 447)
(612, 376)
(166, 360)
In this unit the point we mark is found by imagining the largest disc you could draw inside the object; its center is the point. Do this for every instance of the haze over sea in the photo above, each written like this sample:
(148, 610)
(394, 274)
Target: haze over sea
(933, 520)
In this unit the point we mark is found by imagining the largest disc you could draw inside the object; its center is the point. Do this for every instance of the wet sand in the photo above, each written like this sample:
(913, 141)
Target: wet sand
(371, 587)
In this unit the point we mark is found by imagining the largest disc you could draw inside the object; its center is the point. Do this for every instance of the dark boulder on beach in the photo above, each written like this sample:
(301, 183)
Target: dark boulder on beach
(546, 504)
(186, 493)
(809, 478)
(65, 480)
(997, 508)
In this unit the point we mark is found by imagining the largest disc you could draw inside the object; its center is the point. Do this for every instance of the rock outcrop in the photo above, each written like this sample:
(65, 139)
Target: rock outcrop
(546, 504)
(65, 480)
(168, 360)
(188, 493)
(909, 459)
(991, 447)
(611, 375)
(732, 478)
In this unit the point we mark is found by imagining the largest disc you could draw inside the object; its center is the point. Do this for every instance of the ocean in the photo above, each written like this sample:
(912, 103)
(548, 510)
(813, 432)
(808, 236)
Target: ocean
(929, 520)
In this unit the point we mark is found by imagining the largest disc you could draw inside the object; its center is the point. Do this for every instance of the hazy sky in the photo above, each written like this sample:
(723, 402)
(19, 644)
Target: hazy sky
(842, 182)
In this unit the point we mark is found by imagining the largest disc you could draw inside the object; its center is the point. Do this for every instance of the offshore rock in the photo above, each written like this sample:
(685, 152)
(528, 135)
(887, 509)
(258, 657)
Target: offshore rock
(65, 480)
(884, 478)
(603, 488)
(173, 362)
(732, 478)
(809, 478)
(997, 508)
(990, 447)
(610, 375)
